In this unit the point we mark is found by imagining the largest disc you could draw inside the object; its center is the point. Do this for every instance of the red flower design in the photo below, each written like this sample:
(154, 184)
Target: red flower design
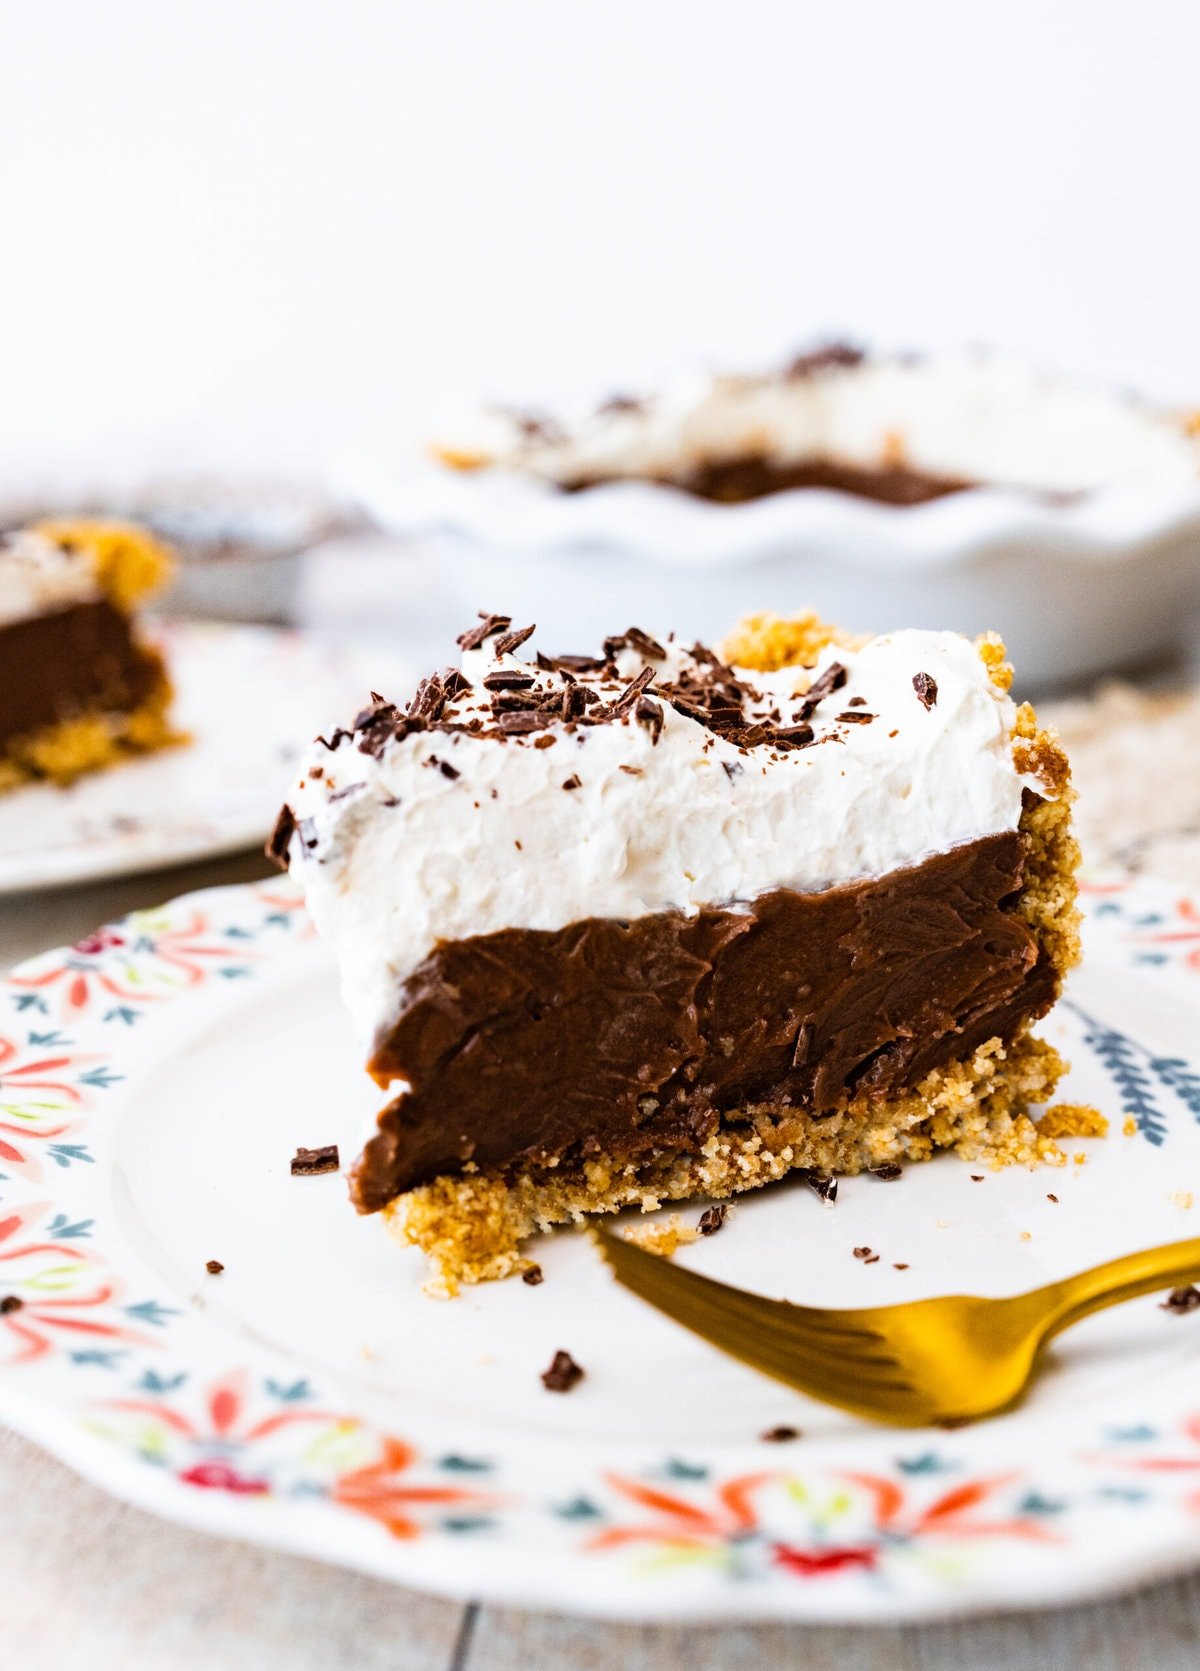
(821, 1563)
(379, 1492)
(56, 1283)
(219, 1476)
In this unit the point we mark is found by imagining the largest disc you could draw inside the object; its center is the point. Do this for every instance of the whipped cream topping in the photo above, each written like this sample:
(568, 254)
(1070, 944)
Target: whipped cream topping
(37, 577)
(528, 794)
(974, 418)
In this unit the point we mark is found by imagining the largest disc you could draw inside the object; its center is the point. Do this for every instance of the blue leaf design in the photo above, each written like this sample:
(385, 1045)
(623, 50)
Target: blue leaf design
(1128, 1066)
(52, 1041)
(1122, 1493)
(1035, 1503)
(293, 1394)
(64, 1153)
(1178, 1076)
(152, 1312)
(465, 1464)
(929, 1462)
(153, 1382)
(30, 1001)
(234, 973)
(468, 1523)
(579, 1508)
(675, 1469)
(100, 1078)
(124, 1013)
(1142, 1435)
(62, 1228)
(104, 1360)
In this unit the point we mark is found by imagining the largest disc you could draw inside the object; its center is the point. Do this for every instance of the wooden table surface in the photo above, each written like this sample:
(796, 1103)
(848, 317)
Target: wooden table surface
(88, 1584)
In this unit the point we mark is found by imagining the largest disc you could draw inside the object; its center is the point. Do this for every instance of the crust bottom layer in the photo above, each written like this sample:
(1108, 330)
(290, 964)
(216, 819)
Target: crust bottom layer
(472, 1227)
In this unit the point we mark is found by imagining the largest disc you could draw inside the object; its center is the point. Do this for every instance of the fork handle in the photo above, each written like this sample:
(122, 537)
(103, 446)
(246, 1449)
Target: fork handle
(1174, 1265)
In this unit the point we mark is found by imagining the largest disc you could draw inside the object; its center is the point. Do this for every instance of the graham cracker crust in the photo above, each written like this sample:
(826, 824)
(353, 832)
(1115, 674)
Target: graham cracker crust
(471, 1227)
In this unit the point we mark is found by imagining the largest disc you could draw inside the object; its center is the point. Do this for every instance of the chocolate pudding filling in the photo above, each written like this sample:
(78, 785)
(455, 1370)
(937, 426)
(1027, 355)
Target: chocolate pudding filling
(635, 1039)
(78, 660)
(734, 481)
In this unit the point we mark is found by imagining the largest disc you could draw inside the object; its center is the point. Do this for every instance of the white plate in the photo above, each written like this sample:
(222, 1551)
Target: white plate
(1118, 564)
(244, 695)
(154, 1082)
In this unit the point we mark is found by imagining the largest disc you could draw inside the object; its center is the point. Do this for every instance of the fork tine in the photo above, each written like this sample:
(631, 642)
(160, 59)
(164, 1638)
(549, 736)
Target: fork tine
(769, 1334)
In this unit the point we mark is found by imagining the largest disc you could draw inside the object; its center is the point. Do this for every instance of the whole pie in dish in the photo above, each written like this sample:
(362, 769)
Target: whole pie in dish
(659, 923)
(79, 687)
(899, 429)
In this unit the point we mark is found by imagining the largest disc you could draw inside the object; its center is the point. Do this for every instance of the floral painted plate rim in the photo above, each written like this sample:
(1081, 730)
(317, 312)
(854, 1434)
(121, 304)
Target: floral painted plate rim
(220, 1434)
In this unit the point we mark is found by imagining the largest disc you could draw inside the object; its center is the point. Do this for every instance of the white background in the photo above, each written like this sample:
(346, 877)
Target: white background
(278, 228)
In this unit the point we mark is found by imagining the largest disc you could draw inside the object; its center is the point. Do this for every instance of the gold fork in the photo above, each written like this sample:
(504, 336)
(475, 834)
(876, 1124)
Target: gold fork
(941, 1360)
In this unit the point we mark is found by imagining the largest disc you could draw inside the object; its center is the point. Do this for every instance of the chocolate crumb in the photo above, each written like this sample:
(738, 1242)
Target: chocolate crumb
(308, 1163)
(1053, 1198)
(532, 1275)
(1181, 1300)
(214, 1267)
(887, 1172)
(508, 678)
(977, 1177)
(563, 1374)
(572, 782)
(447, 770)
(712, 1218)
(926, 688)
(857, 702)
(10, 1303)
(899, 1267)
(872, 1259)
(634, 771)
(546, 740)
(780, 1435)
(862, 1253)
(855, 718)
(281, 837)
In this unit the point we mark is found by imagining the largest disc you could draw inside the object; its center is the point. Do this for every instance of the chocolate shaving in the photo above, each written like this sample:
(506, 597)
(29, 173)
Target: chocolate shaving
(214, 1267)
(712, 1218)
(447, 770)
(281, 837)
(926, 688)
(532, 1275)
(793, 736)
(474, 637)
(520, 724)
(11, 1303)
(309, 1163)
(1182, 1300)
(644, 644)
(572, 782)
(834, 356)
(331, 743)
(510, 678)
(574, 701)
(856, 718)
(571, 664)
(649, 713)
(862, 1253)
(833, 678)
(888, 1172)
(510, 641)
(629, 696)
(823, 1186)
(563, 1374)
(780, 1435)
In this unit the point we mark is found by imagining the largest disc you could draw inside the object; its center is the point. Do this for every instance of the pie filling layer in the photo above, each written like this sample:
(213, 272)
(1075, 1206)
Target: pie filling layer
(72, 661)
(736, 480)
(637, 1038)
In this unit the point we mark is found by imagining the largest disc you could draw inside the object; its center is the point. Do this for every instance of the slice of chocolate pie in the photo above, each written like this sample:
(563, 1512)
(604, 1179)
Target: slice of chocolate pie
(79, 690)
(652, 925)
